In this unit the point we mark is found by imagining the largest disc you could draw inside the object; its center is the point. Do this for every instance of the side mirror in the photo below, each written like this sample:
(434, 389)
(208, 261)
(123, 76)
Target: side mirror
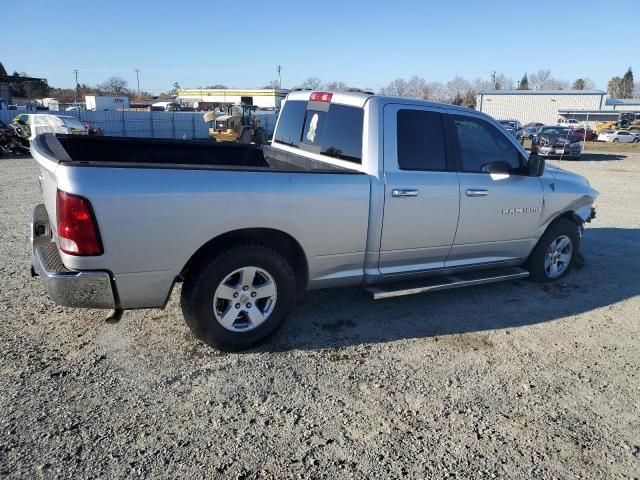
(497, 167)
(535, 166)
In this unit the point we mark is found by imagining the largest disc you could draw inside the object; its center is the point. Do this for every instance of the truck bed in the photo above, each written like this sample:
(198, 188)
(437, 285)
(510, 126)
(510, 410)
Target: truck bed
(160, 153)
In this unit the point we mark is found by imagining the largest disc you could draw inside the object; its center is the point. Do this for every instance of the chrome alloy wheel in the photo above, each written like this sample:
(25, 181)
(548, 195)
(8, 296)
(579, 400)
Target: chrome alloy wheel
(558, 256)
(245, 299)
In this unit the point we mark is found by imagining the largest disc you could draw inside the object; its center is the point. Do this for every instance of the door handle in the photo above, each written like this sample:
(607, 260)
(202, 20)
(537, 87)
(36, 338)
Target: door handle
(477, 192)
(404, 192)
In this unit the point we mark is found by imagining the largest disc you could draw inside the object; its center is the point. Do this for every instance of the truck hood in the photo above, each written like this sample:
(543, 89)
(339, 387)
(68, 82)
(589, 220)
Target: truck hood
(563, 180)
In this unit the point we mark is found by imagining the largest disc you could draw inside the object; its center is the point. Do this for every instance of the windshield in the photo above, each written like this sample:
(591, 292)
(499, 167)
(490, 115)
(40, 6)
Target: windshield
(556, 131)
(72, 122)
(561, 132)
(508, 124)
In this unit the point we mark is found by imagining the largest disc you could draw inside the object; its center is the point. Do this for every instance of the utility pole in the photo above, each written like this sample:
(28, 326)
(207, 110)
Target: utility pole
(138, 79)
(77, 85)
(493, 79)
(279, 69)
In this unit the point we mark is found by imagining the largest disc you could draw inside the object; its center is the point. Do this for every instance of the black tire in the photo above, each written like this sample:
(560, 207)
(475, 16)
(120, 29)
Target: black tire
(536, 263)
(615, 140)
(201, 283)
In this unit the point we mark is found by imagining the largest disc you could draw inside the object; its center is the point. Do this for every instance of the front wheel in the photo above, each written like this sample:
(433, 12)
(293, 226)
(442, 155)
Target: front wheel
(239, 297)
(615, 140)
(555, 253)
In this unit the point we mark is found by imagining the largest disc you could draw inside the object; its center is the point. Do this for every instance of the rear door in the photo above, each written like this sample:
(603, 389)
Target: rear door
(422, 194)
(499, 213)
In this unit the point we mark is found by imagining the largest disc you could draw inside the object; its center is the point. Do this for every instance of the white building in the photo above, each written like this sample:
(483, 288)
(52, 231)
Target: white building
(99, 103)
(263, 98)
(543, 106)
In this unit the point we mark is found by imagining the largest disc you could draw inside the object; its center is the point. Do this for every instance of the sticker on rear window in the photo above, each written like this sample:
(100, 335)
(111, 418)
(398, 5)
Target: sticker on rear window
(313, 125)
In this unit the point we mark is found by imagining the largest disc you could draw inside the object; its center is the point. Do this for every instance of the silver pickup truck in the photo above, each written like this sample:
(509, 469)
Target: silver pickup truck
(400, 196)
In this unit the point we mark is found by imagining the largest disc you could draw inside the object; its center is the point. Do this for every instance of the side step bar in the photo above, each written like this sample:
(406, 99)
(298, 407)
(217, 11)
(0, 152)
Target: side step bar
(433, 284)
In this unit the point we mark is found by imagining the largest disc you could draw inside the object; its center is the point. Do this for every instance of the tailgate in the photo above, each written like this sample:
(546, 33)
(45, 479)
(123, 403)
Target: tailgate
(48, 153)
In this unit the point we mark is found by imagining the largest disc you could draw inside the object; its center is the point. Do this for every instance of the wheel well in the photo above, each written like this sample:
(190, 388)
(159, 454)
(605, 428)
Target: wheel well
(279, 241)
(573, 216)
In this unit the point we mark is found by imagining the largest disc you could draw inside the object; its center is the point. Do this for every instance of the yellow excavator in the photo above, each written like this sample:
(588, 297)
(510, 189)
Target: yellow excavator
(237, 124)
(629, 121)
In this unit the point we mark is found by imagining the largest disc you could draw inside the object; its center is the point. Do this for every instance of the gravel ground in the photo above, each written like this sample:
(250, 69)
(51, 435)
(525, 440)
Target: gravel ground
(508, 380)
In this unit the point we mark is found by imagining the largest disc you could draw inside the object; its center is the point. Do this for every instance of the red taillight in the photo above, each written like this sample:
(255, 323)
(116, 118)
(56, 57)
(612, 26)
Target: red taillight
(321, 96)
(77, 229)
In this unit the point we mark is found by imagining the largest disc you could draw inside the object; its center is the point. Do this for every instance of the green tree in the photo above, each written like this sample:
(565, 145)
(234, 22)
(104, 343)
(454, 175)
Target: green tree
(469, 99)
(3, 71)
(627, 84)
(614, 87)
(579, 84)
(457, 99)
(523, 84)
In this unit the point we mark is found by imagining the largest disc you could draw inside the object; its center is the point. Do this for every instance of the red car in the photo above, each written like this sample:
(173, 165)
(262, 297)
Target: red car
(590, 134)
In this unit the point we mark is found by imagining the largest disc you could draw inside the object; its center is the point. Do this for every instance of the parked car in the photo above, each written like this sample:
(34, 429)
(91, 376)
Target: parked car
(571, 123)
(585, 134)
(618, 136)
(530, 129)
(554, 141)
(33, 124)
(513, 127)
(356, 189)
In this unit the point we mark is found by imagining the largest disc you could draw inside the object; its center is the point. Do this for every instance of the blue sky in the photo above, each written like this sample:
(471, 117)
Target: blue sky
(365, 44)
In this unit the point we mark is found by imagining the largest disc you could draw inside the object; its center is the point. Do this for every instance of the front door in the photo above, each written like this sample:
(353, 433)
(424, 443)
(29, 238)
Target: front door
(421, 198)
(499, 213)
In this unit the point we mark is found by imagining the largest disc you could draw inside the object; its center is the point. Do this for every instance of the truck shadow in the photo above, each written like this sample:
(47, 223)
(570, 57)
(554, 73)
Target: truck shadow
(601, 157)
(339, 318)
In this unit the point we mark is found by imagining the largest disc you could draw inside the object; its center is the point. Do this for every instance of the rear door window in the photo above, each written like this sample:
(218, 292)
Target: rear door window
(290, 123)
(421, 141)
(333, 130)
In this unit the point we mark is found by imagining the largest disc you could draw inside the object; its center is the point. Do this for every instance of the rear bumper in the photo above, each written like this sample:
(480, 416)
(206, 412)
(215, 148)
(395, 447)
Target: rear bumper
(69, 288)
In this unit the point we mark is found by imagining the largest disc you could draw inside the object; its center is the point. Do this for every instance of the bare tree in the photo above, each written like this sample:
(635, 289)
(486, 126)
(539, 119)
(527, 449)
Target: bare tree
(503, 82)
(437, 91)
(312, 83)
(337, 86)
(273, 84)
(456, 87)
(542, 80)
(418, 88)
(636, 90)
(114, 86)
(481, 84)
(397, 88)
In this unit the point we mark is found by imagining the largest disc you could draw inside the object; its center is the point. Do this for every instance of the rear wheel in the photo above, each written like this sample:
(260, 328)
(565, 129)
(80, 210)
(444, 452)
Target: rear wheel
(239, 297)
(555, 253)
